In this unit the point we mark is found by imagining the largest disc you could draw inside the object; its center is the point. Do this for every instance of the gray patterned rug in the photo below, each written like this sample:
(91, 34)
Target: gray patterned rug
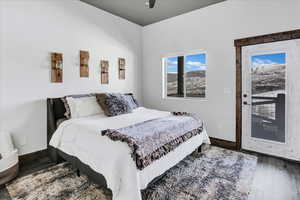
(215, 174)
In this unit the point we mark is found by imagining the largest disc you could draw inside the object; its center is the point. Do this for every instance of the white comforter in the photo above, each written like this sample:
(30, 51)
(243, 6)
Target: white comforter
(82, 138)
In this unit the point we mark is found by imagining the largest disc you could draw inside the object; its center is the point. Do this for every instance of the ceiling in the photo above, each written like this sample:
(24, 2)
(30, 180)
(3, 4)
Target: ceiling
(137, 11)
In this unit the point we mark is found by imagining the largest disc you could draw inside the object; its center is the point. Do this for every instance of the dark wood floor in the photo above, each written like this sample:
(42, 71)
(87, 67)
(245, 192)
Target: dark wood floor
(275, 179)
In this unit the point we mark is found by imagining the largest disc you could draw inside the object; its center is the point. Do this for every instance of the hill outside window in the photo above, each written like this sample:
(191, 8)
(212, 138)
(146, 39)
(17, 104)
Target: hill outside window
(185, 76)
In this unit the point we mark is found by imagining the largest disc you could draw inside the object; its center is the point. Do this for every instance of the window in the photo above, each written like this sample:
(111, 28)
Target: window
(185, 75)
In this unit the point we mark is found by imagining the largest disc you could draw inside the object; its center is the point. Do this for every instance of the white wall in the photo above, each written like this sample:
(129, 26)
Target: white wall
(29, 31)
(212, 29)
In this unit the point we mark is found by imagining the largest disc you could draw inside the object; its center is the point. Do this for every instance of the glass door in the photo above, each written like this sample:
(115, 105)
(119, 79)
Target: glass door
(268, 83)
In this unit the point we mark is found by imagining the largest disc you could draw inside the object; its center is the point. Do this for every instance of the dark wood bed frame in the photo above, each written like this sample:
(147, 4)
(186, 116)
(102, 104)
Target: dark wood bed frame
(55, 111)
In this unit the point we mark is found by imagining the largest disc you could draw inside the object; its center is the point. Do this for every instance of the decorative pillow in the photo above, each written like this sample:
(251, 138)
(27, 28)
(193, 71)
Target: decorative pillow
(131, 101)
(113, 104)
(84, 106)
(67, 107)
(135, 101)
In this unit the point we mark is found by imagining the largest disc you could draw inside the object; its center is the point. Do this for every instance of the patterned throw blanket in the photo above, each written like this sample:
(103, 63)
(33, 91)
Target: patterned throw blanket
(151, 140)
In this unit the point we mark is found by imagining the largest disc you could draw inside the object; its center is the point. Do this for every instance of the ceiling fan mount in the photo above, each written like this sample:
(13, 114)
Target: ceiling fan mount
(150, 3)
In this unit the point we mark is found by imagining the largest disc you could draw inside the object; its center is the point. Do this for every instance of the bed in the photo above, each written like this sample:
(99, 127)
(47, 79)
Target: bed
(107, 162)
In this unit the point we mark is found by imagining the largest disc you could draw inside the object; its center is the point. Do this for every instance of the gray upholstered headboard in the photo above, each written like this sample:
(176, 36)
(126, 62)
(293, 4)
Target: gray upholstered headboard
(55, 111)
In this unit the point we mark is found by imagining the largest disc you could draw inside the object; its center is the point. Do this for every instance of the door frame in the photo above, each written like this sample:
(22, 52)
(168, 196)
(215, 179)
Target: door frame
(239, 43)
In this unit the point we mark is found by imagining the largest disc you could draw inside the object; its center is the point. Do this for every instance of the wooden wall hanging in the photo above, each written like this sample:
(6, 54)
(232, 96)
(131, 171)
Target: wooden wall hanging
(56, 67)
(122, 64)
(104, 71)
(84, 63)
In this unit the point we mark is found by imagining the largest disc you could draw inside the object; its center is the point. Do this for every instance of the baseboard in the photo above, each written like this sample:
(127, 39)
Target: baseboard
(267, 155)
(223, 143)
(27, 158)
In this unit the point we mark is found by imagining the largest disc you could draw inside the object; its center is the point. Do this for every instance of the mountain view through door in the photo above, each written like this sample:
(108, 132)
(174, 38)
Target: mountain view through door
(268, 77)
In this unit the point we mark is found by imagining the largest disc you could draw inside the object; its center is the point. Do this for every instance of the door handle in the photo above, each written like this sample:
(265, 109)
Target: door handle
(246, 103)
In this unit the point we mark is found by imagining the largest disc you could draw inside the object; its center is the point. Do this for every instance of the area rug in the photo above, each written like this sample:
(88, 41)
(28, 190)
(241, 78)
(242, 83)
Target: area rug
(59, 182)
(215, 174)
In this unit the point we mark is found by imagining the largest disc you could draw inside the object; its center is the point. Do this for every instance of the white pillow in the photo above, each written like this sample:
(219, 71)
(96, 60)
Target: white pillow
(84, 106)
